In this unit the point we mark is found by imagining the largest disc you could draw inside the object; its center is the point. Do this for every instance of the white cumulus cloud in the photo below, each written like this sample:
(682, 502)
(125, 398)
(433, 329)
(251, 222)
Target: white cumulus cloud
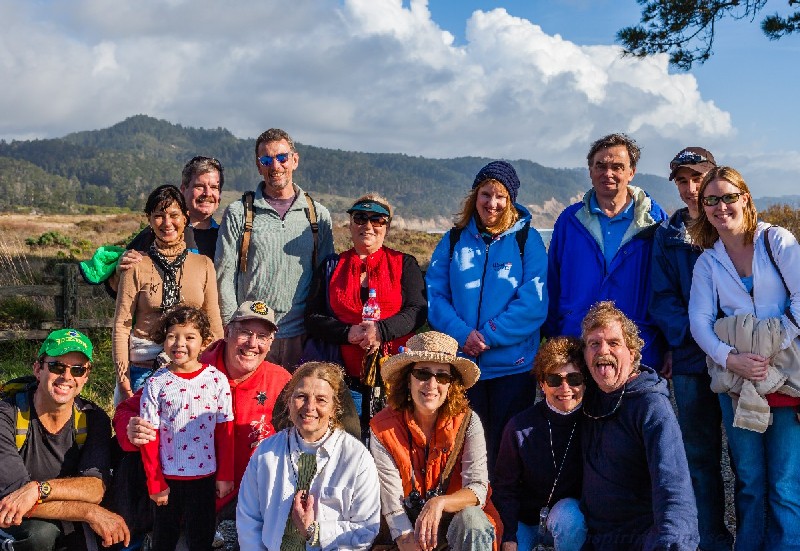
(369, 75)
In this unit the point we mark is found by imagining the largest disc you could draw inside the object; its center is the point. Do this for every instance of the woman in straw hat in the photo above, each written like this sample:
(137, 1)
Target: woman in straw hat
(430, 450)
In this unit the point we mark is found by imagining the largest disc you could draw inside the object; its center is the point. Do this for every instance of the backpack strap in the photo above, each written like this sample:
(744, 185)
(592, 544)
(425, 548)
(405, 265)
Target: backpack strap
(521, 235)
(771, 256)
(455, 235)
(247, 201)
(311, 214)
(23, 421)
(80, 426)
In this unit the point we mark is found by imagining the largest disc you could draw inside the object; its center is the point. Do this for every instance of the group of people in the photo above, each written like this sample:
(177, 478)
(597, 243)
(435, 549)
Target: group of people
(248, 381)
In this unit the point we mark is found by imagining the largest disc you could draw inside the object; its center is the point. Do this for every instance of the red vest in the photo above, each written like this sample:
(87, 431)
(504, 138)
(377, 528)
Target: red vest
(392, 427)
(384, 270)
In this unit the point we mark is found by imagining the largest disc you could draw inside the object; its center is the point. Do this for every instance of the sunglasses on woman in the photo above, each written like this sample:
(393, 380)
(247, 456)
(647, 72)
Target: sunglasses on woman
(553, 380)
(425, 375)
(728, 199)
(58, 368)
(377, 220)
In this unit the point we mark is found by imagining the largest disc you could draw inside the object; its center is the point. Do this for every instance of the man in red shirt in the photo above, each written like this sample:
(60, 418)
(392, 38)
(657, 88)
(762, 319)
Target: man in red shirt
(255, 387)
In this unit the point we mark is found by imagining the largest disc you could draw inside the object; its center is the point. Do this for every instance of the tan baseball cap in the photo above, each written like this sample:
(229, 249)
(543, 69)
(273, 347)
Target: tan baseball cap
(255, 310)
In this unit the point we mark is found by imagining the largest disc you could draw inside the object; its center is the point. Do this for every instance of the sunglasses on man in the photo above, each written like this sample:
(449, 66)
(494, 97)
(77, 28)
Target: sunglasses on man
(59, 368)
(728, 199)
(687, 158)
(425, 375)
(553, 380)
(377, 220)
(266, 160)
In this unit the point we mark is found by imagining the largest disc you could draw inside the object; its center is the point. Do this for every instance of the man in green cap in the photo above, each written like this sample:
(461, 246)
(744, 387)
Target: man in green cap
(55, 456)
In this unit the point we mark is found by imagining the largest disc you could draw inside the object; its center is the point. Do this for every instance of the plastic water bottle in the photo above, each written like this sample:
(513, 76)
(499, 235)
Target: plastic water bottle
(371, 310)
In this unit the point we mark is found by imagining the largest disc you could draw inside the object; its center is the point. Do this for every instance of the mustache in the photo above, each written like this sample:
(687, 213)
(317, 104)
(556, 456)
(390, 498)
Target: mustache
(606, 359)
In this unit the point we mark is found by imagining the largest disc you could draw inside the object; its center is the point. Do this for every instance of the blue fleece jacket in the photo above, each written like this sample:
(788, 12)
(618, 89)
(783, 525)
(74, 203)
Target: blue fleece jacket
(488, 287)
(671, 279)
(577, 275)
(637, 493)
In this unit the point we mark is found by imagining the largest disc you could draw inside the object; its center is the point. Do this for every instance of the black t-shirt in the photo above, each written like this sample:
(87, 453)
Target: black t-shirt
(46, 456)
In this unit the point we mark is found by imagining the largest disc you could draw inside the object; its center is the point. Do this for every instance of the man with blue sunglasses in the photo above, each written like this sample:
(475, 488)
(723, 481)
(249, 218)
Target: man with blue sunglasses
(270, 243)
(55, 455)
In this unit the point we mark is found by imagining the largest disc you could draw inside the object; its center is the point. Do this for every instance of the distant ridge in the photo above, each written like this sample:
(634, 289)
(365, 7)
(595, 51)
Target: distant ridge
(120, 165)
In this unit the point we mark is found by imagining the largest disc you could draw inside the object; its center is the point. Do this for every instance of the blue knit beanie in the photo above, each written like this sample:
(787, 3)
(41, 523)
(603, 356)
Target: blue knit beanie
(504, 173)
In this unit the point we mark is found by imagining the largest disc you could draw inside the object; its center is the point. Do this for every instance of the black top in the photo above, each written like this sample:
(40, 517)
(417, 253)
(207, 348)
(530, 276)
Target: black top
(525, 480)
(46, 456)
(321, 325)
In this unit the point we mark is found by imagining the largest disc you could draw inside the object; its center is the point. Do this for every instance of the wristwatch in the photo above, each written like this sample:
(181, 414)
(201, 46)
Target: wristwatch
(44, 490)
(311, 533)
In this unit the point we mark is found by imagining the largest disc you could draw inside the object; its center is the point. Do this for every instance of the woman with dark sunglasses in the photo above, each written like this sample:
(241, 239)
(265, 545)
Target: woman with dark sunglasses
(487, 288)
(539, 485)
(430, 451)
(341, 286)
(744, 309)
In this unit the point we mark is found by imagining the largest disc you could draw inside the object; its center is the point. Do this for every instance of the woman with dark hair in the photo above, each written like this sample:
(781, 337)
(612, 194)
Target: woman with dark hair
(167, 276)
(487, 288)
(743, 312)
(311, 484)
(539, 485)
(340, 288)
(430, 450)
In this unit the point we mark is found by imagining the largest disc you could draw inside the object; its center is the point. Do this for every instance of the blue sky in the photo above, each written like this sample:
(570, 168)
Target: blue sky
(511, 79)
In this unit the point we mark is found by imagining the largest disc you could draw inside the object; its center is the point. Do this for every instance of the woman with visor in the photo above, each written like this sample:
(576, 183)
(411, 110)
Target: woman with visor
(341, 286)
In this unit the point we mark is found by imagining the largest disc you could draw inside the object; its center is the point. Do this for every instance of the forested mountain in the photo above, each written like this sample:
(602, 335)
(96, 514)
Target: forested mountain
(118, 166)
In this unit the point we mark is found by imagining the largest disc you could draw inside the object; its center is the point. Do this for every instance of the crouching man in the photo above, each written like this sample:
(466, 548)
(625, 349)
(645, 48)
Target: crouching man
(54, 455)
(637, 494)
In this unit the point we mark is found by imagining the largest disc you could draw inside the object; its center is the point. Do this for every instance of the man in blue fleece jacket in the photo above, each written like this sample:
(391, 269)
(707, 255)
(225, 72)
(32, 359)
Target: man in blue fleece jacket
(637, 494)
(601, 246)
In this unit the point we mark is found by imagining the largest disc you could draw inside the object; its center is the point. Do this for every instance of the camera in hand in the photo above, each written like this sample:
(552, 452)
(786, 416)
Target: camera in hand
(414, 502)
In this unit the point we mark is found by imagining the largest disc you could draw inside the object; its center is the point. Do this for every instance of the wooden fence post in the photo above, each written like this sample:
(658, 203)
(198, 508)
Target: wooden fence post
(70, 304)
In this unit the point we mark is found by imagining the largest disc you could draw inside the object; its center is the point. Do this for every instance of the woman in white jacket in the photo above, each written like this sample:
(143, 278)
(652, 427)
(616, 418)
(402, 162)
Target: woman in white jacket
(735, 276)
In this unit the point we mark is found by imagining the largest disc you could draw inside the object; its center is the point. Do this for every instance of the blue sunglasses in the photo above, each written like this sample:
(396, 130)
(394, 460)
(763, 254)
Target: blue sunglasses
(266, 160)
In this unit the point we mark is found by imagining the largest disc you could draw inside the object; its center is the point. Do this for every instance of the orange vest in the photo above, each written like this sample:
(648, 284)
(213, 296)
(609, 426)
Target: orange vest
(392, 427)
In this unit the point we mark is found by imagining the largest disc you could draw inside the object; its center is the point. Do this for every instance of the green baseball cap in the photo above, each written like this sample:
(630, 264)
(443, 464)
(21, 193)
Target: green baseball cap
(62, 341)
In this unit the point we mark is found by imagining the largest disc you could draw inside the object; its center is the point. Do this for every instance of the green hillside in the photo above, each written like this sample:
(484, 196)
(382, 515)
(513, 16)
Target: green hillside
(118, 166)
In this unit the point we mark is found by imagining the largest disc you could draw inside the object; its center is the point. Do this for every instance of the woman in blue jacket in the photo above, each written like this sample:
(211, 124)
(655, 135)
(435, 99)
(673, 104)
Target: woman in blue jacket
(487, 288)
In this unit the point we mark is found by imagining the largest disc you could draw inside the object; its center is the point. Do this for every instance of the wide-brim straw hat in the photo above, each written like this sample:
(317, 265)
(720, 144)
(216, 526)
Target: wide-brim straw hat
(431, 346)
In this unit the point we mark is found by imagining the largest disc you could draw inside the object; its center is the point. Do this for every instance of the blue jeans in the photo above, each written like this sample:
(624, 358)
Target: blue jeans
(767, 479)
(566, 528)
(700, 420)
(498, 400)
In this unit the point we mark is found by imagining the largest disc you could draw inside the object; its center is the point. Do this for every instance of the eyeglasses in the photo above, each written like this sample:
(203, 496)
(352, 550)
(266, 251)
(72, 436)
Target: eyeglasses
(377, 220)
(246, 335)
(266, 160)
(687, 158)
(425, 375)
(553, 380)
(728, 199)
(59, 368)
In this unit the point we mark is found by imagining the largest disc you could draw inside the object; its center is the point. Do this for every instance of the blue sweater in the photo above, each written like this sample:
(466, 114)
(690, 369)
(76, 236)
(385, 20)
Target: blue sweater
(671, 280)
(577, 276)
(523, 483)
(488, 287)
(636, 485)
